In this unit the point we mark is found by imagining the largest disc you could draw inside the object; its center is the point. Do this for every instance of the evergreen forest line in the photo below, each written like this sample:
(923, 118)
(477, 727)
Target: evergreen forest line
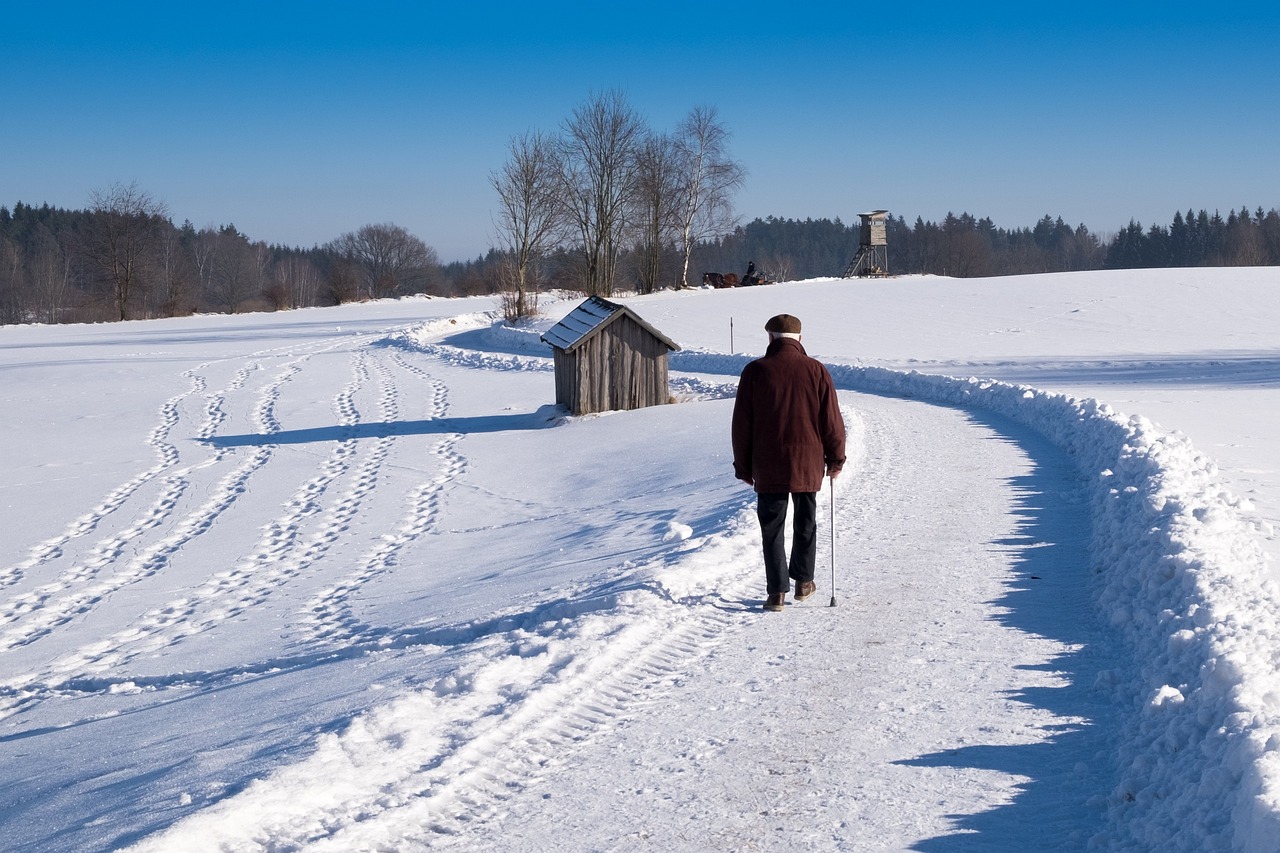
(126, 259)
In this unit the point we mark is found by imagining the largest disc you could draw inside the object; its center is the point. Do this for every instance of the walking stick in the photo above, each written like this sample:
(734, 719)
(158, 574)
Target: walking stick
(833, 543)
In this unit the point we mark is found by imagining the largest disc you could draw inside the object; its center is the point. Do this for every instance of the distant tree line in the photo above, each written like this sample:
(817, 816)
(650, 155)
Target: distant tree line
(123, 258)
(963, 246)
(783, 248)
(960, 246)
(1200, 239)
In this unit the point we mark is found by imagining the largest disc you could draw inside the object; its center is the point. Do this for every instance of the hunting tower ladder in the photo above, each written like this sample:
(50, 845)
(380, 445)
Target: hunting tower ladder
(872, 258)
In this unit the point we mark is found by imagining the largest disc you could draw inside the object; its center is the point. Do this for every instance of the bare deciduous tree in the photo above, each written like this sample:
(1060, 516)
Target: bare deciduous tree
(121, 239)
(342, 281)
(235, 268)
(390, 259)
(710, 179)
(528, 218)
(657, 205)
(597, 157)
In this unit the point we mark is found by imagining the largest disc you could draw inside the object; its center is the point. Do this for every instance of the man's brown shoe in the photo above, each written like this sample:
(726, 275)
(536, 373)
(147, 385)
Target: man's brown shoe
(804, 589)
(775, 601)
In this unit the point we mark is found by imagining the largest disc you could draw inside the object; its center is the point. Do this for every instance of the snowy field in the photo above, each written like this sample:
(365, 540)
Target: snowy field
(343, 579)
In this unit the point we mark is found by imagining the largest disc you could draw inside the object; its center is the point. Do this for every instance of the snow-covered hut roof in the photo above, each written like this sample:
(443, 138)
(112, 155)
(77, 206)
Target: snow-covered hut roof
(591, 317)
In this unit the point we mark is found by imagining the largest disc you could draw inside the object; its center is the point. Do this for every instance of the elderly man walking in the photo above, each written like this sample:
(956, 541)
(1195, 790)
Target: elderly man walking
(787, 432)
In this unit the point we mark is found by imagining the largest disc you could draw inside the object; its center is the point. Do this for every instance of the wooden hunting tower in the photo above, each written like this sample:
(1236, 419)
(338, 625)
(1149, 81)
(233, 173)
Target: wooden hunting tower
(607, 358)
(872, 258)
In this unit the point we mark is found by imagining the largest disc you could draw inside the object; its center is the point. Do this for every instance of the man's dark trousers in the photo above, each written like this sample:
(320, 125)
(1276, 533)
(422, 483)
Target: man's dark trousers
(772, 512)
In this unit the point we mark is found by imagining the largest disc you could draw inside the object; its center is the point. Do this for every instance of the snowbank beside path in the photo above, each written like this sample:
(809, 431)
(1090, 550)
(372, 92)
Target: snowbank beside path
(1181, 573)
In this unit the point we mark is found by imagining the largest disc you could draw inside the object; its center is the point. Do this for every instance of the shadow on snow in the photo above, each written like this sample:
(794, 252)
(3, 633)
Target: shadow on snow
(544, 417)
(1228, 369)
(1061, 803)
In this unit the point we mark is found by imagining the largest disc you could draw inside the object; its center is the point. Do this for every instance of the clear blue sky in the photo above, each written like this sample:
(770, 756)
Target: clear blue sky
(298, 122)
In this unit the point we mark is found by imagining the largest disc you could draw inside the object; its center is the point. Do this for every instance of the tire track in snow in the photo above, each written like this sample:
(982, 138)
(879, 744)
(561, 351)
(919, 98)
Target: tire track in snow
(590, 695)
(526, 692)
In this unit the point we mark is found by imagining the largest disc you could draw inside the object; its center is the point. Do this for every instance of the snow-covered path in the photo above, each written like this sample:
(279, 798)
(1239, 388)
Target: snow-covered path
(945, 703)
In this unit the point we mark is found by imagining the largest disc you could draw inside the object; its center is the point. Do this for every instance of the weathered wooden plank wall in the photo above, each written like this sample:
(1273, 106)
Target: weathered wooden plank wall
(621, 367)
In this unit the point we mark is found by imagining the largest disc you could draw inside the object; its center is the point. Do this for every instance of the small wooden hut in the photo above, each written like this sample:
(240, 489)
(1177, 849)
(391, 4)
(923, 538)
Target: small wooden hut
(607, 358)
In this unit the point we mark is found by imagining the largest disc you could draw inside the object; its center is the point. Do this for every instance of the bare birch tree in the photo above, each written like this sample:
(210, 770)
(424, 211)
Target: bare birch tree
(50, 276)
(710, 179)
(528, 221)
(597, 175)
(204, 249)
(294, 283)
